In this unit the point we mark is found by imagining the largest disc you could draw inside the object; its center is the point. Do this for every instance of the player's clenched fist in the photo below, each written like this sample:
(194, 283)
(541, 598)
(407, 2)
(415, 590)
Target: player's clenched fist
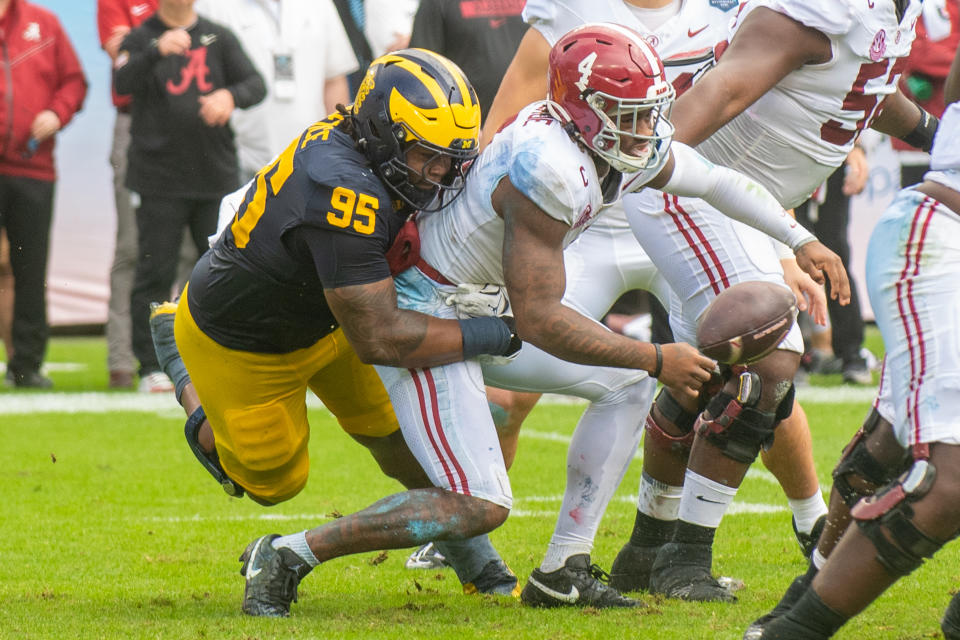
(683, 367)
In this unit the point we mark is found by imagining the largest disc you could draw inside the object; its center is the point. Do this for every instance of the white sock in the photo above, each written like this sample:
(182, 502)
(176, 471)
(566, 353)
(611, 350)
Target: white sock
(704, 501)
(297, 542)
(557, 555)
(818, 559)
(658, 500)
(807, 511)
(603, 444)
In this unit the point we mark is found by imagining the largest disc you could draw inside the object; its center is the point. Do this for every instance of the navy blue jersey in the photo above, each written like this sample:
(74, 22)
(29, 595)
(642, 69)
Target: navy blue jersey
(315, 218)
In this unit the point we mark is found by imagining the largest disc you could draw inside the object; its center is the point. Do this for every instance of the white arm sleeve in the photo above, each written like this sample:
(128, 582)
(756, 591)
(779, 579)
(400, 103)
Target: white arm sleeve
(229, 205)
(734, 195)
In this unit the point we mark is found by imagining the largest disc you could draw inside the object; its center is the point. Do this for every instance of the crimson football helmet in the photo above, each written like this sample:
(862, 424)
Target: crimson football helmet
(609, 84)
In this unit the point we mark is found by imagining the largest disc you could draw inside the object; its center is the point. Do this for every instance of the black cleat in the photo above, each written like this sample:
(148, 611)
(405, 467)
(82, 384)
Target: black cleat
(950, 625)
(790, 598)
(27, 380)
(631, 568)
(495, 578)
(682, 571)
(272, 576)
(577, 584)
(808, 541)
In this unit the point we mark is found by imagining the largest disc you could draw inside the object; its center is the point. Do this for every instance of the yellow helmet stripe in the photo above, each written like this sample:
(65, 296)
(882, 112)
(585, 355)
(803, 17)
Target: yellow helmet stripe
(456, 73)
(409, 65)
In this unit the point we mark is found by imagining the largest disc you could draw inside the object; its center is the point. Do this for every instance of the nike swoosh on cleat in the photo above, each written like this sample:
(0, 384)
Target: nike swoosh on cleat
(253, 573)
(702, 499)
(691, 33)
(571, 597)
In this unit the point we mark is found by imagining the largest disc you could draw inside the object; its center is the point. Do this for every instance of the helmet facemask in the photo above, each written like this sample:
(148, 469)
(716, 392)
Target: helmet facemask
(629, 124)
(412, 188)
(416, 101)
(607, 85)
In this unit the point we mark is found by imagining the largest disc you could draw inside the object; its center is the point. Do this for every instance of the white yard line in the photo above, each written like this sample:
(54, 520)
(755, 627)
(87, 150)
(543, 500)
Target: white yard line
(518, 512)
(13, 403)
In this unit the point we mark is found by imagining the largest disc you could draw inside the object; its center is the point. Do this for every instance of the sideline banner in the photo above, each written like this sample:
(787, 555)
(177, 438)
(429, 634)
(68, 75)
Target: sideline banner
(84, 219)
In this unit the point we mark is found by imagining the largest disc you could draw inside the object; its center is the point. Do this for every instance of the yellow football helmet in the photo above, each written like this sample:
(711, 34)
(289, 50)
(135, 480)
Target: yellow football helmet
(417, 98)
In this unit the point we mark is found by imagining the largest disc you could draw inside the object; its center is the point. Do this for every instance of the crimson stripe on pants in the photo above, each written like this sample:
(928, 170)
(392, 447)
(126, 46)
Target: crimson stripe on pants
(909, 318)
(679, 218)
(433, 423)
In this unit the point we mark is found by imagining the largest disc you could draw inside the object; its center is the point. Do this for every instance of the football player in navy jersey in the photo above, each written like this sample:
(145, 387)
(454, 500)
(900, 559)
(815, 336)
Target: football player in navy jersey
(297, 293)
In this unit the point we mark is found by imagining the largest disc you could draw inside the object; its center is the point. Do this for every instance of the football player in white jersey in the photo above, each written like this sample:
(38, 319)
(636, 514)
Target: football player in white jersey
(913, 261)
(543, 180)
(805, 105)
(917, 318)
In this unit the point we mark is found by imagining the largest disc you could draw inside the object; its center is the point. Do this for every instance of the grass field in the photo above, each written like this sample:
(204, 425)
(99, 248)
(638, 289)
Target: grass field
(110, 529)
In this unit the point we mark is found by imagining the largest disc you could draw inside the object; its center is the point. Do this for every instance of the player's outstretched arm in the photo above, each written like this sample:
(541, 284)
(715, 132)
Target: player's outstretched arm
(755, 61)
(535, 278)
(819, 261)
(525, 81)
(381, 333)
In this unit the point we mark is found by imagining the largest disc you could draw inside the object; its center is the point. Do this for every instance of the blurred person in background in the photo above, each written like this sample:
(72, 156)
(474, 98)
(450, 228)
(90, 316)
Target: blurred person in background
(42, 89)
(115, 19)
(480, 38)
(186, 75)
(302, 51)
(938, 34)
(827, 214)
(375, 27)
(6, 295)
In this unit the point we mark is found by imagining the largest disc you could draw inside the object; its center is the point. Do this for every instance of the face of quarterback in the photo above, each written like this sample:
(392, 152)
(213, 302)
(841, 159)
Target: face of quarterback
(641, 123)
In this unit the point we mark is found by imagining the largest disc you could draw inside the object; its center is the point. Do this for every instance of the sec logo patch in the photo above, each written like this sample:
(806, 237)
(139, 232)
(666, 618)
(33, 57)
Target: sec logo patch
(724, 5)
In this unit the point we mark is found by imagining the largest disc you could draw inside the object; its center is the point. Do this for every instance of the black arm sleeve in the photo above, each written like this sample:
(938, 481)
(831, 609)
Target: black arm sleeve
(142, 54)
(428, 31)
(242, 78)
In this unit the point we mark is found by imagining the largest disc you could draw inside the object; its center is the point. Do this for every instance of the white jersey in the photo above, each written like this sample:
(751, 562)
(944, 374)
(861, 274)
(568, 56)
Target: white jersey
(945, 155)
(464, 241)
(685, 43)
(797, 133)
(698, 26)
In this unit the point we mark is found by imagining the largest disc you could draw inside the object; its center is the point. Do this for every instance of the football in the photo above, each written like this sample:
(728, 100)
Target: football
(746, 322)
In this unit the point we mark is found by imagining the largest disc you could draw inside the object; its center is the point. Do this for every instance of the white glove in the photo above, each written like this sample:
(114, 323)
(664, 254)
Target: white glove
(479, 300)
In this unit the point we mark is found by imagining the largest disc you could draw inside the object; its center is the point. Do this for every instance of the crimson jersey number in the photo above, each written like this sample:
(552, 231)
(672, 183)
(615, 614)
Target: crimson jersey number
(856, 100)
(348, 206)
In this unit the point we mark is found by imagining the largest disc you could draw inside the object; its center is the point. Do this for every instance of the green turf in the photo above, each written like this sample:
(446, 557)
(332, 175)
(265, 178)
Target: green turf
(111, 530)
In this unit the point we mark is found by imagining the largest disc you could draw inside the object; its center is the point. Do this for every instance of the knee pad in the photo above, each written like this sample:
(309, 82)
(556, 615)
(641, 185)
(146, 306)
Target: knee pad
(684, 420)
(210, 461)
(887, 520)
(858, 462)
(738, 429)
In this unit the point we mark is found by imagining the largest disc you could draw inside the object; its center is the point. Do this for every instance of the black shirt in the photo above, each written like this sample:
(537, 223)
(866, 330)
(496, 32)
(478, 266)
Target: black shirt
(481, 36)
(172, 151)
(317, 217)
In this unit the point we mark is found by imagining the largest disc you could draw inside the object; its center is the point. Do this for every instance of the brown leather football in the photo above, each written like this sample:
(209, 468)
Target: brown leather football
(746, 322)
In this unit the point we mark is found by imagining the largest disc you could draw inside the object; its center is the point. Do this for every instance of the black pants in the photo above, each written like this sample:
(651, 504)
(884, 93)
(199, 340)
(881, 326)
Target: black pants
(160, 223)
(26, 211)
(830, 227)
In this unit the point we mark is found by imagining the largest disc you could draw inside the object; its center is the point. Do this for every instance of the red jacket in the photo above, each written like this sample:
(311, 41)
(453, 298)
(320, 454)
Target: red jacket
(38, 70)
(121, 13)
(931, 60)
